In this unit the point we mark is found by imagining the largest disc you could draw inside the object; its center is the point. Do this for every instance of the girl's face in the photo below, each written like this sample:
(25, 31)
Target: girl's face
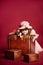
(25, 32)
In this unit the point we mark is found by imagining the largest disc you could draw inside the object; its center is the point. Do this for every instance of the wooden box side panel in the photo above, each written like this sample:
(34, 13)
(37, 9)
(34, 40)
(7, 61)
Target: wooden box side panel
(21, 44)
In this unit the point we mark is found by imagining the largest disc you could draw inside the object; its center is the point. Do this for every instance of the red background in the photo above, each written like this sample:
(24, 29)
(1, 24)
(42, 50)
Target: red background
(13, 12)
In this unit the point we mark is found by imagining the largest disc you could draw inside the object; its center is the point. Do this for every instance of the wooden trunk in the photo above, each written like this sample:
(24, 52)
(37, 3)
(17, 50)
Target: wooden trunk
(31, 57)
(15, 42)
(13, 54)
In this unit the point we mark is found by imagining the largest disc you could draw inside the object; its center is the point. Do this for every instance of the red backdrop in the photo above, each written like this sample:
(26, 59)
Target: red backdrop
(13, 12)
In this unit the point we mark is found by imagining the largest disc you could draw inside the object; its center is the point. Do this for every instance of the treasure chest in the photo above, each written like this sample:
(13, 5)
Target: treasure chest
(13, 54)
(25, 43)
